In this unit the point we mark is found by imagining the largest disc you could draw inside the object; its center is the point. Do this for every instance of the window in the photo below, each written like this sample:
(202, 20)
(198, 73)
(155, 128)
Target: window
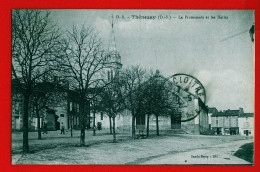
(249, 131)
(245, 131)
(101, 116)
(61, 115)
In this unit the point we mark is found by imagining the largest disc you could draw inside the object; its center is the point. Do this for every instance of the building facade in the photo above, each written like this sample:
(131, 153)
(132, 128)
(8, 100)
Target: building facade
(232, 122)
(123, 122)
(246, 124)
(56, 113)
(226, 122)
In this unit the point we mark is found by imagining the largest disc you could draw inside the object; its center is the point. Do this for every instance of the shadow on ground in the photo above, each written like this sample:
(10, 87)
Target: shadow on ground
(246, 152)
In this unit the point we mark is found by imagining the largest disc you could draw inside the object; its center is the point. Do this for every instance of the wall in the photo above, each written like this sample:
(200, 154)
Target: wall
(217, 121)
(234, 121)
(123, 121)
(104, 121)
(163, 121)
(203, 121)
(62, 113)
(209, 115)
(198, 125)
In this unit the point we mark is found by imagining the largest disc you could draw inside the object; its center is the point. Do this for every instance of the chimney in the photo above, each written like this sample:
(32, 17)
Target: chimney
(241, 111)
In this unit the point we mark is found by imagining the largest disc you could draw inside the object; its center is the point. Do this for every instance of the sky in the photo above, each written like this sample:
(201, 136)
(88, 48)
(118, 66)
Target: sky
(214, 46)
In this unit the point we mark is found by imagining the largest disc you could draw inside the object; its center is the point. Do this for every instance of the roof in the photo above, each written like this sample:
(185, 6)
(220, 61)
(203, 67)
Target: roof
(226, 113)
(212, 110)
(244, 115)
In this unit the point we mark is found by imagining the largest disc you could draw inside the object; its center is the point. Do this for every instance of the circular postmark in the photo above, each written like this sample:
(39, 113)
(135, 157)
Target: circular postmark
(191, 95)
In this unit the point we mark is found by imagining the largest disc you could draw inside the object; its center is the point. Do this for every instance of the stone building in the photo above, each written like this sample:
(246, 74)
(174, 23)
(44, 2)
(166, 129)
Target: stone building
(197, 125)
(17, 114)
(171, 123)
(53, 114)
(226, 122)
(46, 115)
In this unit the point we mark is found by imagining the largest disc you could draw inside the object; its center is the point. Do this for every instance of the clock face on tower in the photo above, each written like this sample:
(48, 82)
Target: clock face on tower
(190, 93)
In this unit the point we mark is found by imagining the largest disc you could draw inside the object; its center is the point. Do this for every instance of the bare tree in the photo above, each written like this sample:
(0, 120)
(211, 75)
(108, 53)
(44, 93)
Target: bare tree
(82, 61)
(39, 101)
(46, 94)
(133, 78)
(34, 41)
(113, 101)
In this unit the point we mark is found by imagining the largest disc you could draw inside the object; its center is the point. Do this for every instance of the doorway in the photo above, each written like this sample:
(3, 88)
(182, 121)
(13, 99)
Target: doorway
(246, 132)
(176, 121)
(140, 121)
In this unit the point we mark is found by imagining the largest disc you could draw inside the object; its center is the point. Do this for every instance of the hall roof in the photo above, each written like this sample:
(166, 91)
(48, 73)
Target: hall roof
(226, 113)
(244, 115)
(212, 110)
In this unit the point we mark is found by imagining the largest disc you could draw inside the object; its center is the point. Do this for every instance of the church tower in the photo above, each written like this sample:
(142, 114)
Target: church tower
(113, 58)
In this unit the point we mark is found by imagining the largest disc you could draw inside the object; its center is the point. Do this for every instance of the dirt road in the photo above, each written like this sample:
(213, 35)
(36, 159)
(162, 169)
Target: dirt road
(216, 154)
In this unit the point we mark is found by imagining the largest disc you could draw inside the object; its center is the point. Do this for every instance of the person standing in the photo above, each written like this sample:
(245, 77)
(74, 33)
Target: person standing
(62, 131)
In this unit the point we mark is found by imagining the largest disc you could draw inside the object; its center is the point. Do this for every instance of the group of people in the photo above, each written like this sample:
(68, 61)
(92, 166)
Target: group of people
(44, 129)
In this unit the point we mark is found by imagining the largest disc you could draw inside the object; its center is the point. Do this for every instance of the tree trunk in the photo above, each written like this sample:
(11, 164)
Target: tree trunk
(133, 127)
(25, 124)
(110, 124)
(82, 123)
(147, 125)
(71, 125)
(82, 136)
(114, 130)
(94, 124)
(88, 123)
(38, 124)
(157, 125)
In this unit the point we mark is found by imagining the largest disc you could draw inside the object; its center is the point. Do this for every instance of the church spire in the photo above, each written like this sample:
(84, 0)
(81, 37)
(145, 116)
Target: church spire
(112, 42)
(114, 56)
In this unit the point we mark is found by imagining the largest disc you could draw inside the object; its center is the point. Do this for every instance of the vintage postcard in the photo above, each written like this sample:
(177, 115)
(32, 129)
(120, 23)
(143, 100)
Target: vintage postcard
(133, 87)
